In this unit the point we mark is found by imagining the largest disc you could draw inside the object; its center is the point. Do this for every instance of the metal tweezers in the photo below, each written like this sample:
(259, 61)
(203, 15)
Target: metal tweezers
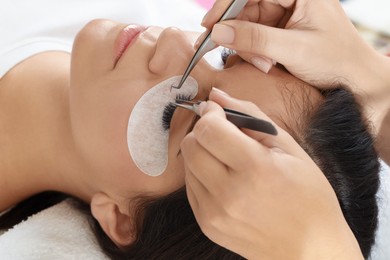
(241, 120)
(207, 45)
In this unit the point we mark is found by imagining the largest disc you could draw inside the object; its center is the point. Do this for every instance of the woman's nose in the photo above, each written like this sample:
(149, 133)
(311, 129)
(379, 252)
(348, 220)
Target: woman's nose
(174, 51)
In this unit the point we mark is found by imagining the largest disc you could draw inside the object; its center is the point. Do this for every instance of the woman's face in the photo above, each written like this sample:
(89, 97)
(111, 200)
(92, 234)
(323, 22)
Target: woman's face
(108, 78)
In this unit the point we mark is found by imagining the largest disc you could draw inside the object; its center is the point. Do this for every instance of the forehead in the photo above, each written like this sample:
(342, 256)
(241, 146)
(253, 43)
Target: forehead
(284, 98)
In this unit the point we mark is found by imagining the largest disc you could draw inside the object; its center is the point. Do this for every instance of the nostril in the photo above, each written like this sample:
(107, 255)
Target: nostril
(156, 65)
(173, 52)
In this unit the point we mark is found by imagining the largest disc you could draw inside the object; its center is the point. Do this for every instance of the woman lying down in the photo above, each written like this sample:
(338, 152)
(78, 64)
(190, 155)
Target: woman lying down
(99, 125)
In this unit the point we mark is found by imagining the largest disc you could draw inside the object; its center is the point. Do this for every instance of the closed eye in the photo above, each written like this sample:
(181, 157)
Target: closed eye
(169, 109)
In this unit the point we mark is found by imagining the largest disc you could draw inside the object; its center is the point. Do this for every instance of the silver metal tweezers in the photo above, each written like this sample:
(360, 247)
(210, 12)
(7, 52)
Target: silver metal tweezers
(207, 45)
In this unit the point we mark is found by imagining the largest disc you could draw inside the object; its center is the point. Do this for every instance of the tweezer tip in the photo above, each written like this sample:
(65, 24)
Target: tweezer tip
(175, 87)
(180, 84)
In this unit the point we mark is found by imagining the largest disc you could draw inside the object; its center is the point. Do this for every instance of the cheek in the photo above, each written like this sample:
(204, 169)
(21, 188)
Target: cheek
(99, 115)
(130, 182)
(171, 180)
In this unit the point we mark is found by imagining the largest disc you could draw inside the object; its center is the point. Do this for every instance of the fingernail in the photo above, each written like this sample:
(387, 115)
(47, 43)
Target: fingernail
(202, 106)
(220, 92)
(222, 34)
(261, 64)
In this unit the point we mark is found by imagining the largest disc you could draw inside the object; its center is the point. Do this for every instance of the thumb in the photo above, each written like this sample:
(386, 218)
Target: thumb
(257, 40)
(282, 141)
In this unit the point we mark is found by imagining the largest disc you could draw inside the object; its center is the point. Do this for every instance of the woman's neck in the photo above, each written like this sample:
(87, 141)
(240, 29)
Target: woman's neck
(36, 150)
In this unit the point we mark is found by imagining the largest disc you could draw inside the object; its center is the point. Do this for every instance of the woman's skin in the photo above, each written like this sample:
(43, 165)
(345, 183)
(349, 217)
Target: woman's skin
(64, 117)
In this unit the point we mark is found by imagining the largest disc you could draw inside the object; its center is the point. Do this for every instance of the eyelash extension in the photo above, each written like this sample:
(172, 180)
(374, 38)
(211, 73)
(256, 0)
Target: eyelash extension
(169, 109)
(167, 115)
(226, 53)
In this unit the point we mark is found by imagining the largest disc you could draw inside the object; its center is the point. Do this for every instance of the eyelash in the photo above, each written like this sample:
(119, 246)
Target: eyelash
(226, 53)
(169, 109)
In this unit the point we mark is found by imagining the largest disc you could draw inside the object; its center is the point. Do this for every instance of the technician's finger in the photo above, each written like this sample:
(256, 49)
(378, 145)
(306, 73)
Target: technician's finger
(262, 63)
(207, 169)
(215, 13)
(225, 141)
(203, 203)
(282, 141)
(259, 40)
(270, 13)
(191, 195)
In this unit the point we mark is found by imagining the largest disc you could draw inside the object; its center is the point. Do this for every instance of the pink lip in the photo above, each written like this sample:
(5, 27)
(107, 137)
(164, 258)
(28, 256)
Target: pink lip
(126, 38)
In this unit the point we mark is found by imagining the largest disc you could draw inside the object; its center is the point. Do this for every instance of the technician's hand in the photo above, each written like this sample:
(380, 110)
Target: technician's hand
(258, 195)
(313, 39)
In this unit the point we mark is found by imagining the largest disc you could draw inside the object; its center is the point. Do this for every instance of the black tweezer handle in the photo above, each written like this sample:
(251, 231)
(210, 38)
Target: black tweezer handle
(242, 120)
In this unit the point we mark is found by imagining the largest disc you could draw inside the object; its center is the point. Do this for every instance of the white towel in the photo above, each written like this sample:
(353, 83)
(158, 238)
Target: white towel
(381, 249)
(59, 232)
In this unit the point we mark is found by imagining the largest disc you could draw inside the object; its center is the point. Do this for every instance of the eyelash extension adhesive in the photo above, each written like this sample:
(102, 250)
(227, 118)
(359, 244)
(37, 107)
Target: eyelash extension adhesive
(147, 140)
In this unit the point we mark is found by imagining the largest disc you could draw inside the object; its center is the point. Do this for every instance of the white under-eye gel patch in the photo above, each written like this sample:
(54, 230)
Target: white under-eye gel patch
(147, 139)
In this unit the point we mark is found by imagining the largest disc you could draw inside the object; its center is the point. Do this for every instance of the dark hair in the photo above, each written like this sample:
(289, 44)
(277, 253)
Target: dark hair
(338, 139)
